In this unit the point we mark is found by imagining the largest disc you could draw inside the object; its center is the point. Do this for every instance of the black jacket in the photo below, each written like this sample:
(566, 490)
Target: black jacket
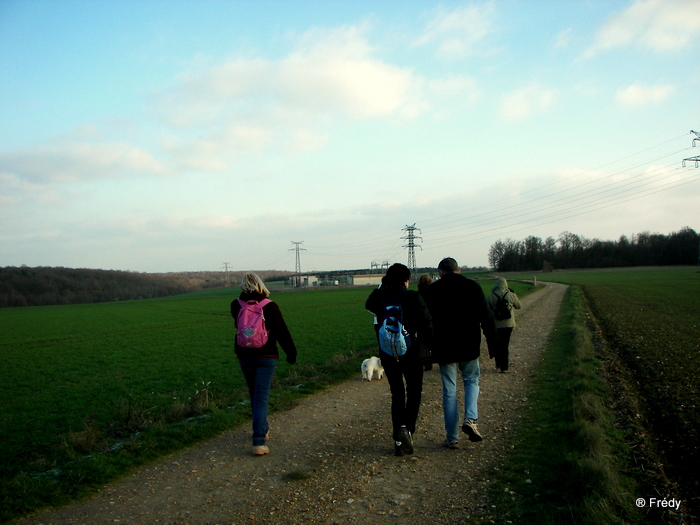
(274, 322)
(460, 313)
(416, 316)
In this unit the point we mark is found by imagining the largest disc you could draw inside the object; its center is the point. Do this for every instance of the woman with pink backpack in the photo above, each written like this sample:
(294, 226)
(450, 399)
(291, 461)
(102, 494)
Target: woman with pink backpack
(259, 327)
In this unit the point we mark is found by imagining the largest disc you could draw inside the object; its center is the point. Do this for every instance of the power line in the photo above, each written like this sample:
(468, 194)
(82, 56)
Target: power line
(554, 201)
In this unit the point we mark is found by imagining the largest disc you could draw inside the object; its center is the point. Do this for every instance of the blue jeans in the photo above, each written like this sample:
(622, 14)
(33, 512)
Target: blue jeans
(258, 373)
(470, 376)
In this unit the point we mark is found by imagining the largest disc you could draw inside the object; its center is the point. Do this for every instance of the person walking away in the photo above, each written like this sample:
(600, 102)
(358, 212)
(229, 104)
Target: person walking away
(503, 299)
(256, 349)
(460, 315)
(403, 368)
(424, 283)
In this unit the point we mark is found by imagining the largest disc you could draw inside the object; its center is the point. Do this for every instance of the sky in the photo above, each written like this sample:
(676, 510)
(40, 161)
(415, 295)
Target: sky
(168, 136)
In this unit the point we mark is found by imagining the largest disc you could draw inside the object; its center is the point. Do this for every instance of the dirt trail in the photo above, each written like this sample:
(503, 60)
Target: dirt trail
(331, 457)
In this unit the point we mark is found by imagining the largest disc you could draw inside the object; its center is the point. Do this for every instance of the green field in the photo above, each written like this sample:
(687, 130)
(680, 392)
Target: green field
(651, 319)
(90, 391)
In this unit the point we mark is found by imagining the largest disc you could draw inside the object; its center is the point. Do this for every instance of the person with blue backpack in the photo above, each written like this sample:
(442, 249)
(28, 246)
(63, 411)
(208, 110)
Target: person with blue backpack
(404, 332)
(460, 314)
(259, 327)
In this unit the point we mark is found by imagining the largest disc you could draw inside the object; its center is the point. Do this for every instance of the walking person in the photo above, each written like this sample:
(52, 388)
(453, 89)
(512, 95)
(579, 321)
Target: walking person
(404, 371)
(502, 300)
(460, 314)
(256, 349)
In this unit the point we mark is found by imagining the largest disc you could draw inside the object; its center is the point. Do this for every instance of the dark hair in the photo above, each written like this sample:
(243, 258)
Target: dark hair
(448, 265)
(397, 274)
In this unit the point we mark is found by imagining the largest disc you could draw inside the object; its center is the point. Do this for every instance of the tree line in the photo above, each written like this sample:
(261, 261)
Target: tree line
(45, 286)
(574, 251)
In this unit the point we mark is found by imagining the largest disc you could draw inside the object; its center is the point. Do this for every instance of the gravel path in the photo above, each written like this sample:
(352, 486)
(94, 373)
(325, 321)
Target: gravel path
(331, 457)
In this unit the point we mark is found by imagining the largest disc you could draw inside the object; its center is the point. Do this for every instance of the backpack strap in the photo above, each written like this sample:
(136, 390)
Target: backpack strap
(262, 302)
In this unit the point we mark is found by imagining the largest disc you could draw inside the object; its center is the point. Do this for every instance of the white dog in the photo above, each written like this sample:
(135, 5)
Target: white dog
(370, 367)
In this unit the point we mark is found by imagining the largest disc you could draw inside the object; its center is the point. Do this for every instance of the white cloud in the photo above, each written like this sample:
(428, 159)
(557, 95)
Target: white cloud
(249, 104)
(217, 149)
(526, 102)
(328, 72)
(563, 39)
(459, 33)
(67, 161)
(358, 88)
(659, 25)
(641, 95)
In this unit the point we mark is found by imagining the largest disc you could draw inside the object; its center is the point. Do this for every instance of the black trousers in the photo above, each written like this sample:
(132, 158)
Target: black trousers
(502, 347)
(405, 397)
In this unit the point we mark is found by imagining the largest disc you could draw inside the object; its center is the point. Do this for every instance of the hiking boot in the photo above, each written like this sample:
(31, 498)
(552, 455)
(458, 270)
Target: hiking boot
(397, 449)
(260, 450)
(469, 428)
(404, 441)
(452, 444)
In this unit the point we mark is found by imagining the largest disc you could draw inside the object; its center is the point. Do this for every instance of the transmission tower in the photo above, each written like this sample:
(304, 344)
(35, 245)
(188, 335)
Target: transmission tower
(411, 245)
(228, 281)
(297, 270)
(695, 159)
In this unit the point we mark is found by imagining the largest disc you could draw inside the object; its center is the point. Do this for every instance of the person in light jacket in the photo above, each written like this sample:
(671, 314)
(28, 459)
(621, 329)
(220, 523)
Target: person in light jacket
(504, 327)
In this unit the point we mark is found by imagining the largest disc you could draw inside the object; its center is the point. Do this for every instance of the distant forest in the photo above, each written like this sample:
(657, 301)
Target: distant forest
(573, 251)
(44, 286)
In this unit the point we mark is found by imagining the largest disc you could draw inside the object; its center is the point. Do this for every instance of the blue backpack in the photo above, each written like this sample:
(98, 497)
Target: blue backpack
(394, 339)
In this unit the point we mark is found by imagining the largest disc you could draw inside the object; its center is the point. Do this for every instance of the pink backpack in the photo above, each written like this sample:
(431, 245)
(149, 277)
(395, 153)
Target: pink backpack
(251, 324)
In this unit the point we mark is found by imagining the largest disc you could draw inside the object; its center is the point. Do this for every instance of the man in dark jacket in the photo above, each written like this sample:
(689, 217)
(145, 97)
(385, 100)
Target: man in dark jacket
(460, 313)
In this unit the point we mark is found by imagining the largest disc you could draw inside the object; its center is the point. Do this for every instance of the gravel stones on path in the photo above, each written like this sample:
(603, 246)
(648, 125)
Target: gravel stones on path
(331, 457)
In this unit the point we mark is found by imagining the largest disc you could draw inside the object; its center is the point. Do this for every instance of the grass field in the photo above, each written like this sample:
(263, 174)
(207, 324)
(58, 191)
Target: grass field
(568, 462)
(90, 391)
(651, 319)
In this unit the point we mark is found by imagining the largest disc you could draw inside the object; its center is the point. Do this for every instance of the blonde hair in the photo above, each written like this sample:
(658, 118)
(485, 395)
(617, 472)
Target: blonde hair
(424, 281)
(251, 283)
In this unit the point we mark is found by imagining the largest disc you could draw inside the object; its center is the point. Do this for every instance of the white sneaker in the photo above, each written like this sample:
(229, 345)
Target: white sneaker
(260, 450)
(469, 428)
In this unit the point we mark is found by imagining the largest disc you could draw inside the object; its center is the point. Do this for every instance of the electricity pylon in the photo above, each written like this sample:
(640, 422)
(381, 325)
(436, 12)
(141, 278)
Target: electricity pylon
(228, 281)
(298, 248)
(411, 245)
(695, 159)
